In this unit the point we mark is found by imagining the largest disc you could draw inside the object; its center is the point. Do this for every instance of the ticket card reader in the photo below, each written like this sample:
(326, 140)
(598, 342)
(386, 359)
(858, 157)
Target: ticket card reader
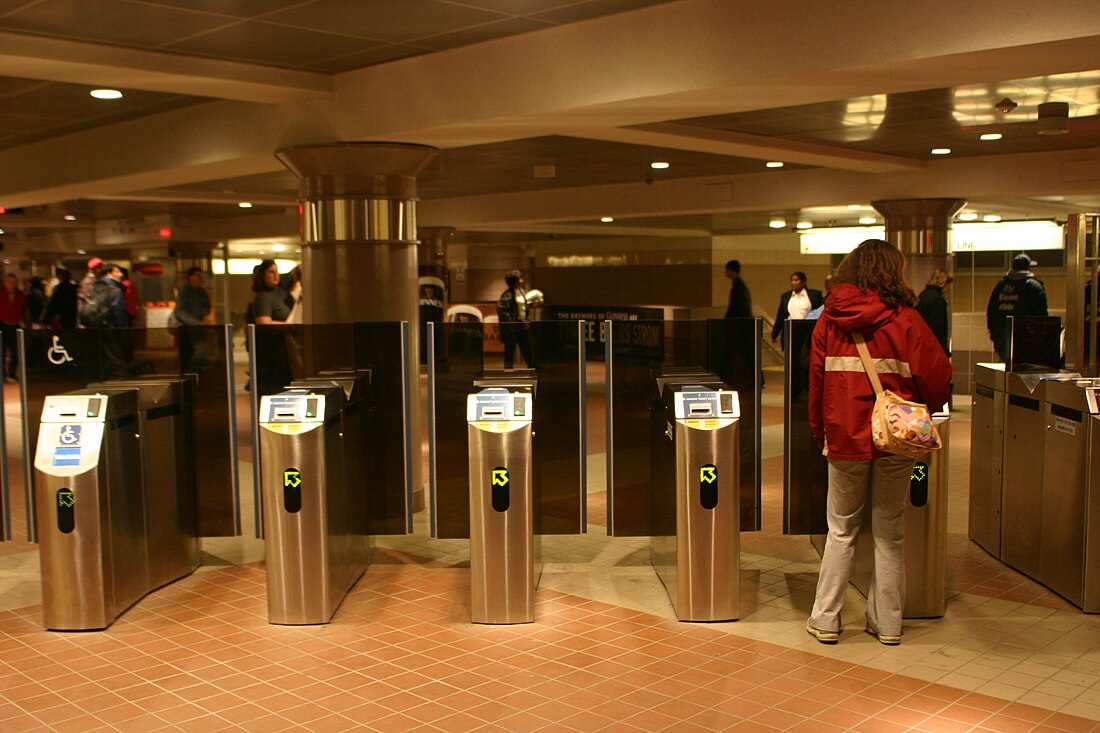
(90, 509)
(310, 566)
(503, 547)
(696, 543)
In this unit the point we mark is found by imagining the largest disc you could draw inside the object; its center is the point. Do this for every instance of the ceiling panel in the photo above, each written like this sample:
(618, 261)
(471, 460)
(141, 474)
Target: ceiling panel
(235, 8)
(387, 20)
(572, 12)
(487, 32)
(275, 45)
(109, 21)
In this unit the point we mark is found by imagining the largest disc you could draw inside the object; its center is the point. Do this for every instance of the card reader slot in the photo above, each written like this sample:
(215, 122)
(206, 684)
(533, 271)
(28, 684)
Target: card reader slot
(699, 409)
(285, 414)
(66, 414)
(492, 412)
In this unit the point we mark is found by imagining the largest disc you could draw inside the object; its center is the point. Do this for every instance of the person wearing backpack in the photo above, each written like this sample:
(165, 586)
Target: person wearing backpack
(870, 298)
(104, 304)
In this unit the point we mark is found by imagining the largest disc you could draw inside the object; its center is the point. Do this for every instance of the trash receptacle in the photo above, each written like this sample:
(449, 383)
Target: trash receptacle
(90, 508)
(696, 484)
(302, 481)
(503, 549)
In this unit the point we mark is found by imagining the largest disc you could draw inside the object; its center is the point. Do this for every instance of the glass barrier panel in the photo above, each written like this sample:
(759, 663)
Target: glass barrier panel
(805, 470)
(1035, 344)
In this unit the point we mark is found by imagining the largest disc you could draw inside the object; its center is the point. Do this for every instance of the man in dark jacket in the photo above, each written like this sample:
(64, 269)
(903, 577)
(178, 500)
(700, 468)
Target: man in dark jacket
(740, 305)
(512, 314)
(1018, 294)
(933, 307)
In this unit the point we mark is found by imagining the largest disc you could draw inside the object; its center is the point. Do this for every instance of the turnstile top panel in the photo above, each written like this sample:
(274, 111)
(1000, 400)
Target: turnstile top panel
(498, 404)
(702, 402)
(295, 406)
(1080, 394)
(155, 391)
(1033, 384)
(89, 406)
(354, 383)
(990, 375)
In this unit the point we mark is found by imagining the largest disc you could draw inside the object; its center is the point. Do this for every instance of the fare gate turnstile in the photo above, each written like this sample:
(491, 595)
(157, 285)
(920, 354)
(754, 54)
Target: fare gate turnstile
(925, 535)
(504, 557)
(313, 545)
(90, 508)
(987, 418)
(696, 542)
(166, 426)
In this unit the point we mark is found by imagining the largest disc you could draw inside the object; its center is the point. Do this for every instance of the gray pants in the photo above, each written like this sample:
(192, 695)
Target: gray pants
(886, 481)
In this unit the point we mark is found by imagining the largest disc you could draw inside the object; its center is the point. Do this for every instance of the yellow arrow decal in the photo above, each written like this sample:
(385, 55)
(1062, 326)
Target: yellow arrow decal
(918, 472)
(708, 474)
(292, 478)
(500, 477)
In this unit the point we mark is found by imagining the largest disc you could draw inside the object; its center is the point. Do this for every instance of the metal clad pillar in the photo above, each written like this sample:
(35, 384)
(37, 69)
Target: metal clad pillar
(919, 228)
(359, 239)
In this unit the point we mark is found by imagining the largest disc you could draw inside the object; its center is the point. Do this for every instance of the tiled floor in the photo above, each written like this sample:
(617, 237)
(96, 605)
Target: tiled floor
(605, 653)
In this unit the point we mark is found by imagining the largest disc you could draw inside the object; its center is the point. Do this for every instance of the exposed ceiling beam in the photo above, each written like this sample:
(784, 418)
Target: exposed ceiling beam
(50, 59)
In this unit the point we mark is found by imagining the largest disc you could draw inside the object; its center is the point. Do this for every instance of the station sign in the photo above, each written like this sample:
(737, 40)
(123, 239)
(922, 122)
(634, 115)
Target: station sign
(1001, 236)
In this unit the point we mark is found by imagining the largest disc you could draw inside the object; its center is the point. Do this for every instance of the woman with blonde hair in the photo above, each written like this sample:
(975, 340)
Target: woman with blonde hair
(869, 297)
(933, 308)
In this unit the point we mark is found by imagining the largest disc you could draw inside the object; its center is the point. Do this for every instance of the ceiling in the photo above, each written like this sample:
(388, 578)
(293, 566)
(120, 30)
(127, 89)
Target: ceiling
(548, 113)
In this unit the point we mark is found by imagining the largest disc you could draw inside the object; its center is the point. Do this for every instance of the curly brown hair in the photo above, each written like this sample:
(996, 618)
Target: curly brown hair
(877, 265)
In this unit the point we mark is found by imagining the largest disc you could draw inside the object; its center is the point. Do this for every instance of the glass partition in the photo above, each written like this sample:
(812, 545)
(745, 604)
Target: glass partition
(282, 353)
(57, 361)
(805, 470)
(461, 352)
(1035, 344)
(636, 352)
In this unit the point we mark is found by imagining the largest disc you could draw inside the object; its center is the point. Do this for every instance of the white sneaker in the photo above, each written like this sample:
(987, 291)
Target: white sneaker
(887, 639)
(825, 637)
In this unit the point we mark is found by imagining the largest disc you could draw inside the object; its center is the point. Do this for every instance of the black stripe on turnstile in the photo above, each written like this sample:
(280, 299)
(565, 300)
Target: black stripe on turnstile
(66, 511)
(984, 391)
(1066, 412)
(1025, 402)
(708, 491)
(163, 411)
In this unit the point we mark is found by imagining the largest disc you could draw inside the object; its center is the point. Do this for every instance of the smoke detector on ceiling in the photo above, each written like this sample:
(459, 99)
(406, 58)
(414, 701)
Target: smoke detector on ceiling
(1005, 106)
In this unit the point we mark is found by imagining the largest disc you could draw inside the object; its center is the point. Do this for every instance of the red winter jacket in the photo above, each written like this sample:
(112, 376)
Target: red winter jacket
(909, 360)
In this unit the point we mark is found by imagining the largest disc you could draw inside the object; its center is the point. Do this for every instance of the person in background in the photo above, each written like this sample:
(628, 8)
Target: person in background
(871, 298)
(796, 303)
(119, 315)
(933, 308)
(88, 281)
(740, 305)
(61, 306)
(270, 307)
(514, 326)
(1019, 293)
(36, 299)
(192, 301)
(292, 283)
(13, 311)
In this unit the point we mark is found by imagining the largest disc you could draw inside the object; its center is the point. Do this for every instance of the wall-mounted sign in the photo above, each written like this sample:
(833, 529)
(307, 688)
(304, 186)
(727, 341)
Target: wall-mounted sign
(836, 240)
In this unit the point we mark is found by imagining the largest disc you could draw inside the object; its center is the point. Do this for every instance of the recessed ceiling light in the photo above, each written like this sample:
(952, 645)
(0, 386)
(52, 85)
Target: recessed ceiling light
(659, 165)
(866, 220)
(941, 151)
(278, 247)
(1, 231)
(82, 251)
(70, 217)
(774, 164)
(991, 217)
(106, 93)
(777, 223)
(992, 136)
(855, 206)
(804, 225)
(968, 216)
(607, 219)
(245, 205)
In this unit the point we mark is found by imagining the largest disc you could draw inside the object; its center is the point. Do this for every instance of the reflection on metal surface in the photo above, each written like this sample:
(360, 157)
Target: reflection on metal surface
(986, 455)
(359, 220)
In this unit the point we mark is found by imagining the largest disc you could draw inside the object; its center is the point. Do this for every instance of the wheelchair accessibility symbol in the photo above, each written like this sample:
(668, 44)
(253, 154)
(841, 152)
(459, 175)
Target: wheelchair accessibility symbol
(69, 435)
(57, 353)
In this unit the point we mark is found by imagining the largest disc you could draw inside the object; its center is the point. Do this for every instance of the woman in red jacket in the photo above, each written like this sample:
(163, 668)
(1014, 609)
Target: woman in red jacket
(869, 296)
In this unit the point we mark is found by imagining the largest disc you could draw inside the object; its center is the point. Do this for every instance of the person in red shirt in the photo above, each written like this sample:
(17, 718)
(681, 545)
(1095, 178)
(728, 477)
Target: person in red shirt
(869, 297)
(13, 311)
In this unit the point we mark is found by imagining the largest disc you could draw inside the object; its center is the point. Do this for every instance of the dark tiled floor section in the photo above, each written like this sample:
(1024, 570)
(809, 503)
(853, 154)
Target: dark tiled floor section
(401, 656)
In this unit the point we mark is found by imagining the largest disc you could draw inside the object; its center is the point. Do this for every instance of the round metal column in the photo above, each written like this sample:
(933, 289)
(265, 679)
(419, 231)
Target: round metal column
(919, 228)
(359, 243)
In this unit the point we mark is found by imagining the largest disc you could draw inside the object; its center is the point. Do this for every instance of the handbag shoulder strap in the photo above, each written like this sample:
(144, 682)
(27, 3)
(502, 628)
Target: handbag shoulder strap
(868, 365)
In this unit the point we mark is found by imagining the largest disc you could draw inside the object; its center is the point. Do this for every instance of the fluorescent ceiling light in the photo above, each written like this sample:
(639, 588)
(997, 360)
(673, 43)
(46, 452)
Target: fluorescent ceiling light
(106, 93)
(607, 219)
(777, 223)
(659, 165)
(992, 136)
(804, 225)
(991, 217)
(866, 220)
(941, 151)
(968, 216)
(245, 205)
(774, 164)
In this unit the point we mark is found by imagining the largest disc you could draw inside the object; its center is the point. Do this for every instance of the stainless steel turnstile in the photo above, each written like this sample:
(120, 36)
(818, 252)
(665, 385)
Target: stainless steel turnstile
(166, 425)
(90, 508)
(925, 534)
(313, 552)
(987, 438)
(504, 561)
(696, 469)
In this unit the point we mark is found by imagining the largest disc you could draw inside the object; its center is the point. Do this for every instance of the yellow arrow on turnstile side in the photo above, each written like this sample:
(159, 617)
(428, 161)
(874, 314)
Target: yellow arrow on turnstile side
(708, 474)
(500, 476)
